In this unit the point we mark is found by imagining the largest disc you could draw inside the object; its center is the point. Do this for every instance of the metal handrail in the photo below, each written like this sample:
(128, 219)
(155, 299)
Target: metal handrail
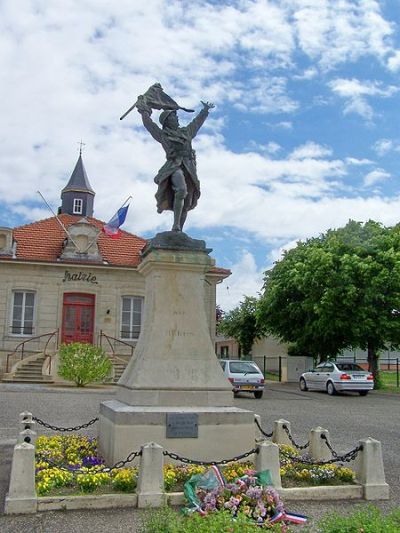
(22, 346)
(109, 339)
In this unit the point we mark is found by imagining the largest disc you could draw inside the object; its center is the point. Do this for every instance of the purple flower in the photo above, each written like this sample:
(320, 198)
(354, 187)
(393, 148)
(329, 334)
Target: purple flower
(92, 461)
(254, 492)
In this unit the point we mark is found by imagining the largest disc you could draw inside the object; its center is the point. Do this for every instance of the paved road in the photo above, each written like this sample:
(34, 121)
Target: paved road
(347, 417)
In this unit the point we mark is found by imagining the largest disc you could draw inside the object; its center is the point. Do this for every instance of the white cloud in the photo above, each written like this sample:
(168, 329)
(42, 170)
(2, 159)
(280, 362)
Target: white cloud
(394, 61)
(358, 162)
(284, 125)
(245, 280)
(310, 150)
(375, 176)
(333, 32)
(308, 74)
(266, 95)
(273, 147)
(384, 146)
(356, 92)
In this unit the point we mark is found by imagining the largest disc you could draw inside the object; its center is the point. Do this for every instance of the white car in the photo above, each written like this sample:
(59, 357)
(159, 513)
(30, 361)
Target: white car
(245, 376)
(337, 377)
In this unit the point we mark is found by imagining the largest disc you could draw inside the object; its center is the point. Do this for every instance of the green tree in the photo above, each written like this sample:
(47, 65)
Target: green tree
(83, 363)
(340, 290)
(241, 324)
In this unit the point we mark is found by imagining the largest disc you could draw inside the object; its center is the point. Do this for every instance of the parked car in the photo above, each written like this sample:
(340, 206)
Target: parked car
(245, 376)
(337, 377)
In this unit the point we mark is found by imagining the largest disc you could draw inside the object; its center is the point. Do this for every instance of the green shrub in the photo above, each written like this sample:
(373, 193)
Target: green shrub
(369, 519)
(83, 363)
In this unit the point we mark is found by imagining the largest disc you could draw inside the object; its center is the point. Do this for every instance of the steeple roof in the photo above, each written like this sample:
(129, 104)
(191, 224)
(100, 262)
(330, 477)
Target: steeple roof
(79, 180)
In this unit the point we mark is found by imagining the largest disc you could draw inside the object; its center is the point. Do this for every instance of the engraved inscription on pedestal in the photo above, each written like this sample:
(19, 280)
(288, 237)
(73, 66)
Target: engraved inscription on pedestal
(182, 426)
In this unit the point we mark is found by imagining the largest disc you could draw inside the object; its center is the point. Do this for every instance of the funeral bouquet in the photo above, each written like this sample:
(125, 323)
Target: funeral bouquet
(251, 495)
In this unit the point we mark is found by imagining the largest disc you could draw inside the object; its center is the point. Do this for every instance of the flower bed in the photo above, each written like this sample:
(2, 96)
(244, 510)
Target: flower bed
(71, 464)
(294, 474)
(58, 459)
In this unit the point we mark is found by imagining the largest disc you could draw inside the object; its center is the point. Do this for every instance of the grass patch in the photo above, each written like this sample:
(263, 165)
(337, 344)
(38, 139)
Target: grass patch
(168, 520)
(271, 376)
(389, 380)
(367, 520)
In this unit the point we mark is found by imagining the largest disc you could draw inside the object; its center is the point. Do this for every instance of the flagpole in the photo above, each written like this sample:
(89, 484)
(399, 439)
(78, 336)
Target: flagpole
(127, 200)
(58, 220)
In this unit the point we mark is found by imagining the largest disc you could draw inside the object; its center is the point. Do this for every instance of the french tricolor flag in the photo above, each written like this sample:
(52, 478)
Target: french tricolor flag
(112, 227)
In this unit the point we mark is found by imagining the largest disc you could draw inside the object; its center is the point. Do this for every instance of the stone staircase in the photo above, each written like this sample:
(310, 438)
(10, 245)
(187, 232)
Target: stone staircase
(30, 372)
(119, 367)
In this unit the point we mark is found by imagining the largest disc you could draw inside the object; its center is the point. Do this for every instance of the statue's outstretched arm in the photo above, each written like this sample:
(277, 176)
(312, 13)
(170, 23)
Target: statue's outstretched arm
(194, 126)
(148, 123)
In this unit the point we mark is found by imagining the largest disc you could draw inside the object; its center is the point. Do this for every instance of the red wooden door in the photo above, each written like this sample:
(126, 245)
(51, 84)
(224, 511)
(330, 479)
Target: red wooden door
(78, 318)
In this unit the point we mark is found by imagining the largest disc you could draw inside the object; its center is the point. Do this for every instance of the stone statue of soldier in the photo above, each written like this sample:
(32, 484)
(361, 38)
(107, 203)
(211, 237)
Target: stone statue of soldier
(178, 184)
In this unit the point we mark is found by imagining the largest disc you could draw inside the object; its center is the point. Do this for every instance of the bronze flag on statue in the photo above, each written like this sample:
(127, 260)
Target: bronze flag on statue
(156, 98)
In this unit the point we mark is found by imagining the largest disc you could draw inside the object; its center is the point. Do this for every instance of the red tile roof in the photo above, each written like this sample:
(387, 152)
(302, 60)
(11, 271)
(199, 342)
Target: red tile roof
(42, 241)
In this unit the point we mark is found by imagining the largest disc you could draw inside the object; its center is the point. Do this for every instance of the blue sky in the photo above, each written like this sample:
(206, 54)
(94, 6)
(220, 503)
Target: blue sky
(304, 135)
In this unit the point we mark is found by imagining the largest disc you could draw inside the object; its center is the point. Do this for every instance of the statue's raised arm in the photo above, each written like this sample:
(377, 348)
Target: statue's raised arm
(178, 184)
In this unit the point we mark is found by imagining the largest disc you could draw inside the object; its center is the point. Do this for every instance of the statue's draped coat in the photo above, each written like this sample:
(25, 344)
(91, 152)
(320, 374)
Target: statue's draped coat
(180, 155)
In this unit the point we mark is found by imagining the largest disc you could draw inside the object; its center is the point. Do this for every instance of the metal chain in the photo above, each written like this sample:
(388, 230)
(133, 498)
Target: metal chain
(177, 457)
(347, 457)
(56, 428)
(105, 469)
(261, 429)
(290, 437)
(325, 438)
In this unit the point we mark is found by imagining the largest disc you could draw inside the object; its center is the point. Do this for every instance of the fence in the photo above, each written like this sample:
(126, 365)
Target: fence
(367, 456)
(272, 367)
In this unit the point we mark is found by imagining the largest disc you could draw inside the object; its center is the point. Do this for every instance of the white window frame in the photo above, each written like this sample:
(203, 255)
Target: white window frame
(21, 333)
(132, 316)
(77, 207)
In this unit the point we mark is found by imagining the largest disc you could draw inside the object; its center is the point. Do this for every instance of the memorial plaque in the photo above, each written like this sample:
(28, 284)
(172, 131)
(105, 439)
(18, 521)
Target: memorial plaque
(182, 425)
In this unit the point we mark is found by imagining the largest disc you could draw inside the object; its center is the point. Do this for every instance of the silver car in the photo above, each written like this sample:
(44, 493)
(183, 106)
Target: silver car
(245, 376)
(337, 377)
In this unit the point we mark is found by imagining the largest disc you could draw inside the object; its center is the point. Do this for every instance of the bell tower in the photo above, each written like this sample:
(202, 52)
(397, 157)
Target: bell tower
(77, 197)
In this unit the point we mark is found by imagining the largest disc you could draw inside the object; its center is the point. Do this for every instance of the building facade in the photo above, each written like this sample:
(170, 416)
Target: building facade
(63, 280)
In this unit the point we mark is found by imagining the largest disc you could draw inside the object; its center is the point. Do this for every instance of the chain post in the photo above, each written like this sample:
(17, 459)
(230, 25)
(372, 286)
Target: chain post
(150, 488)
(319, 451)
(281, 432)
(26, 420)
(268, 459)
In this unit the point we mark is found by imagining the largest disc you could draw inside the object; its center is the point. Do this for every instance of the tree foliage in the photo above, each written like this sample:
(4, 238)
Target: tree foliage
(241, 324)
(340, 290)
(83, 363)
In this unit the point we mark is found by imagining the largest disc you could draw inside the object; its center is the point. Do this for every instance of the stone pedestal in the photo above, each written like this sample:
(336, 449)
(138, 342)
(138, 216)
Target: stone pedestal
(174, 369)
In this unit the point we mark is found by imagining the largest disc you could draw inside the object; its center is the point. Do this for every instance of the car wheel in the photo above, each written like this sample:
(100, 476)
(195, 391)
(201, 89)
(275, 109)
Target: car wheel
(330, 388)
(258, 394)
(303, 385)
(363, 392)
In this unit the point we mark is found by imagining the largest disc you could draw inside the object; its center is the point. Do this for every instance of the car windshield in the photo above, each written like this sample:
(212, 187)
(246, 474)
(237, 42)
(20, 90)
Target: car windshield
(349, 367)
(243, 368)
